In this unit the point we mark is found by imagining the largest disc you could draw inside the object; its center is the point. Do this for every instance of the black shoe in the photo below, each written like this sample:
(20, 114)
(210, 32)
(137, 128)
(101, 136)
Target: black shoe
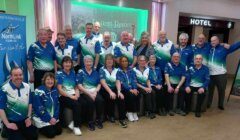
(164, 112)
(160, 113)
(123, 124)
(198, 114)
(147, 114)
(91, 126)
(152, 116)
(99, 124)
(208, 106)
(182, 113)
(221, 107)
(111, 119)
(171, 113)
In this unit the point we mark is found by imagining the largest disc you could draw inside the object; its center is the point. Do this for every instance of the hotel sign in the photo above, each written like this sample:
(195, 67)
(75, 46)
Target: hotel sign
(186, 21)
(200, 22)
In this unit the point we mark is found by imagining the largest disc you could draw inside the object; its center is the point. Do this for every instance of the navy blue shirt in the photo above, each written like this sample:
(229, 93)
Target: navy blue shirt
(186, 55)
(198, 77)
(204, 51)
(88, 81)
(42, 58)
(46, 103)
(68, 81)
(127, 79)
(217, 58)
(175, 72)
(155, 76)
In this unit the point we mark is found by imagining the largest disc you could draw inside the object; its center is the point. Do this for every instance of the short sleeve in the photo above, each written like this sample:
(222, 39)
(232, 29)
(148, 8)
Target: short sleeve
(30, 55)
(134, 52)
(30, 97)
(3, 100)
(97, 48)
(102, 74)
(166, 69)
(117, 52)
(80, 77)
(59, 78)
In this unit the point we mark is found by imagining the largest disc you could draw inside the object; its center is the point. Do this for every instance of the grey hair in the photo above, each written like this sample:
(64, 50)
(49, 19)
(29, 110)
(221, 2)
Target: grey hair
(67, 27)
(176, 53)
(87, 57)
(107, 33)
(124, 32)
(183, 35)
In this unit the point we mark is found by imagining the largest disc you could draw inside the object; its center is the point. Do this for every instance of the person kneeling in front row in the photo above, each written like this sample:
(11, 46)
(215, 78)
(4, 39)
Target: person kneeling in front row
(46, 107)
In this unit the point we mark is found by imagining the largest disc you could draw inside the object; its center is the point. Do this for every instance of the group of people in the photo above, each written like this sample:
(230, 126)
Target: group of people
(96, 74)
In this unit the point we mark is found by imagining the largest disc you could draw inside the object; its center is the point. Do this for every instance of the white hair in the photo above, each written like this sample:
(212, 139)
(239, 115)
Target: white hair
(68, 27)
(124, 32)
(106, 33)
(87, 57)
(183, 35)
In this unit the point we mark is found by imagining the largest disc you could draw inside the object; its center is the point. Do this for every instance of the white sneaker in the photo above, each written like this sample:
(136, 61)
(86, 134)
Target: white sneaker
(77, 131)
(130, 116)
(135, 116)
(71, 126)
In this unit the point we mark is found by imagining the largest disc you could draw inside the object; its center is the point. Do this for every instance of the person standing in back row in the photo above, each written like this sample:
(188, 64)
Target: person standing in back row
(217, 68)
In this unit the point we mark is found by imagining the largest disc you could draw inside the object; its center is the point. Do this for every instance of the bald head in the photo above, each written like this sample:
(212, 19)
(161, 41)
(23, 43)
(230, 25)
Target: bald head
(96, 27)
(162, 36)
(214, 41)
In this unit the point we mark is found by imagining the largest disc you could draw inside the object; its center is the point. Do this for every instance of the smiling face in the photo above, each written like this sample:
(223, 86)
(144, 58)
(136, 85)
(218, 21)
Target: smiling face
(67, 65)
(152, 60)
(201, 39)
(183, 41)
(17, 76)
(68, 32)
(96, 27)
(125, 37)
(162, 36)
(144, 40)
(142, 61)
(214, 41)
(61, 40)
(49, 82)
(89, 30)
(176, 58)
(107, 38)
(109, 62)
(124, 63)
(42, 36)
(88, 63)
(198, 59)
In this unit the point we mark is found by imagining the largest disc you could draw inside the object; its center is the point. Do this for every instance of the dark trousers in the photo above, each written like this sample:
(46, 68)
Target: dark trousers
(74, 105)
(220, 81)
(132, 101)
(110, 105)
(90, 106)
(149, 100)
(38, 75)
(23, 132)
(160, 98)
(51, 131)
(180, 98)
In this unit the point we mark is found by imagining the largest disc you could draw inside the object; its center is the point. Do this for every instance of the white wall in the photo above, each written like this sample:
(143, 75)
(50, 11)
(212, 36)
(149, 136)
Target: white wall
(228, 9)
